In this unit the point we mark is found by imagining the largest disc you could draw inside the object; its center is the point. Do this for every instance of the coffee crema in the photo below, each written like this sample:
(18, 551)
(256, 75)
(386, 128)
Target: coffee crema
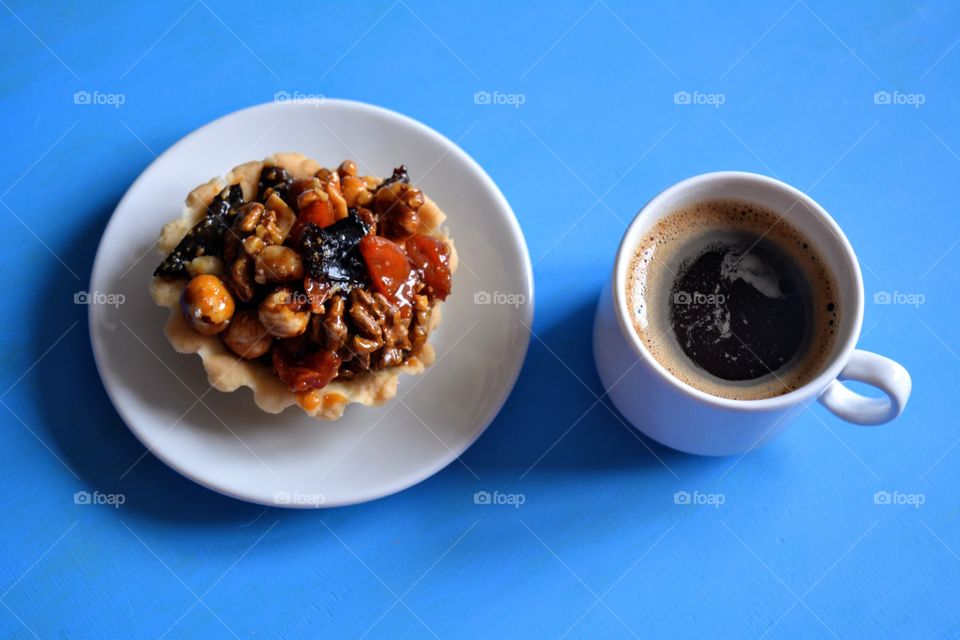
(733, 300)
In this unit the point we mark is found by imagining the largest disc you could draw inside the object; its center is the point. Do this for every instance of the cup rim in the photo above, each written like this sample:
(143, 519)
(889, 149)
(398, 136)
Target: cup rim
(815, 386)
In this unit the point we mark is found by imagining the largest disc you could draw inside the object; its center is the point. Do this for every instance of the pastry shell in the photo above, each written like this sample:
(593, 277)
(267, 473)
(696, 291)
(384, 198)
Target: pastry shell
(227, 372)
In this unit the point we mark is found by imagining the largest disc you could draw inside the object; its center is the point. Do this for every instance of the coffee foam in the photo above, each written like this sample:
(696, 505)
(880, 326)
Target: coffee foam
(653, 269)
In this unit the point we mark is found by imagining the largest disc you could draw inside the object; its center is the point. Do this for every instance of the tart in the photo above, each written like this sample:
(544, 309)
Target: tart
(311, 286)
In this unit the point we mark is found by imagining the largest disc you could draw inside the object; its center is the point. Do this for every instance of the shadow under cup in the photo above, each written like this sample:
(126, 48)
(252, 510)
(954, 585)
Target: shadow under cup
(799, 211)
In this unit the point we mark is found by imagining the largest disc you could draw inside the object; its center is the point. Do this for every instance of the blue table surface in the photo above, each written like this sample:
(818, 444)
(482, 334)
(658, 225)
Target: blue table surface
(854, 102)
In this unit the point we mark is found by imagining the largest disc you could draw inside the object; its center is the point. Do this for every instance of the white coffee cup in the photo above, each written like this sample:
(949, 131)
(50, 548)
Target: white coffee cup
(682, 417)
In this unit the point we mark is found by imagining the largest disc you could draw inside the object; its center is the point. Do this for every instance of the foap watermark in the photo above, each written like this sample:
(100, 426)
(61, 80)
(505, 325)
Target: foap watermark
(496, 98)
(295, 298)
(300, 298)
(299, 97)
(515, 500)
(697, 98)
(691, 298)
(499, 297)
(114, 500)
(99, 297)
(898, 98)
(698, 499)
(899, 297)
(97, 98)
(299, 499)
(897, 498)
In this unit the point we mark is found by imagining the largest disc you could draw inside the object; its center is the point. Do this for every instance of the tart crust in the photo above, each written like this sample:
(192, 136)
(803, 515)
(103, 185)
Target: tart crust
(226, 371)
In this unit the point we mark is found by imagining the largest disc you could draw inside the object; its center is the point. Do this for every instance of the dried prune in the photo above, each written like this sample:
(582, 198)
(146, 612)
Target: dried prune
(399, 175)
(275, 178)
(226, 202)
(206, 237)
(331, 254)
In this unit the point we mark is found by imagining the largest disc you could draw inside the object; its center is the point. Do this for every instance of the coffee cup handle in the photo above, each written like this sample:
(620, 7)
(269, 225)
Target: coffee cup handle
(875, 370)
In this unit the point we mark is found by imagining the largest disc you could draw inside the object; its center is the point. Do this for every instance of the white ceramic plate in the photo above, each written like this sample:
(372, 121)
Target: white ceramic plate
(223, 441)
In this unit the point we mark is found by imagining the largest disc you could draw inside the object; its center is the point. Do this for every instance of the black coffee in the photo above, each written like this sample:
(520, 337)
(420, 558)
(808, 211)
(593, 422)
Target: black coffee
(740, 307)
(733, 300)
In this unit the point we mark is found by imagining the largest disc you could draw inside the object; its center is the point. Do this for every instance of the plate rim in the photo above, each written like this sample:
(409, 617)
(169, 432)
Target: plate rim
(391, 487)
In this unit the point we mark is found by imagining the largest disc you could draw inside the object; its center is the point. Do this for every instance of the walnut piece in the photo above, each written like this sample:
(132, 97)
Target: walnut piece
(397, 207)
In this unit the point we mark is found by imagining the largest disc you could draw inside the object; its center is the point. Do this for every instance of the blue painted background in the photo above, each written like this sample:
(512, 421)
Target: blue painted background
(799, 548)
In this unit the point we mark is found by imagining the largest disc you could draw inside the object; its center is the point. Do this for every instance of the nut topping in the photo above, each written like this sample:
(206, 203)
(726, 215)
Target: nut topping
(328, 276)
